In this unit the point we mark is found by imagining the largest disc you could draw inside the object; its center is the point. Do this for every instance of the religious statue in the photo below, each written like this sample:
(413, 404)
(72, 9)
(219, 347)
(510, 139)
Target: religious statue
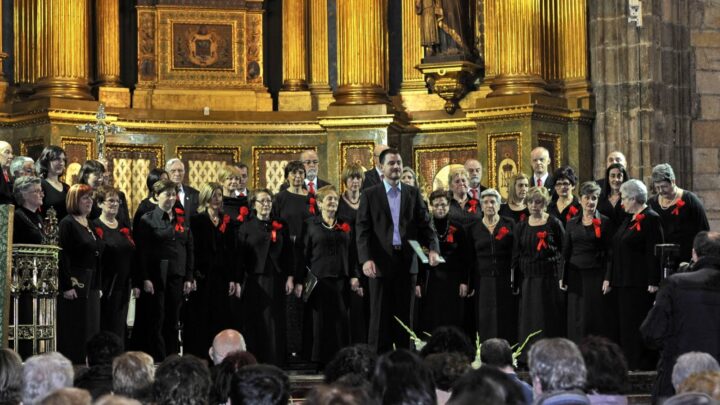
(446, 28)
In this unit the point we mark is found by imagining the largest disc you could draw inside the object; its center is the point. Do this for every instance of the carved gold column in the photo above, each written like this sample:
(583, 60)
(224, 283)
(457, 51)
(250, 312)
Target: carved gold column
(294, 43)
(319, 75)
(3, 55)
(27, 47)
(565, 46)
(108, 42)
(64, 34)
(362, 50)
(514, 34)
(412, 79)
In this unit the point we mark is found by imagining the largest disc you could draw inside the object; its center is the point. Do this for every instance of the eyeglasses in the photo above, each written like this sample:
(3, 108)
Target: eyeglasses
(563, 183)
(264, 202)
(112, 201)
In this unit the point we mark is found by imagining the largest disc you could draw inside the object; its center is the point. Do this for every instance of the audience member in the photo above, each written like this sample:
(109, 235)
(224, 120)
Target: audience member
(707, 382)
(446, 368)
(337, 394)
(22, 166)
(110, 399)
(101, 349)
(261, 384)
(43, 374)
(448, 339)
(690, 398)
(357, 359)
(692, 363)
(225, 342)
(497, 353)
(486, 386)
(222, 374)
(182, 381)
(558, 372)
(401, 378)
(607, 370)
(11, 378)
(133, 375)
(68, 396)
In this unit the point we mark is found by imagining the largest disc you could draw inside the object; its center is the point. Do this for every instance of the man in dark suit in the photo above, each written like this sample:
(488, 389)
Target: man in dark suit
(374, 175)
(540, 162)
(390, 215)
(309, 159)
(187, 197)
(475, 171)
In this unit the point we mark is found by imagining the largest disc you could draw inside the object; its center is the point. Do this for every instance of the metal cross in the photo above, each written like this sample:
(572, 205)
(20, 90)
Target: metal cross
(100, 129)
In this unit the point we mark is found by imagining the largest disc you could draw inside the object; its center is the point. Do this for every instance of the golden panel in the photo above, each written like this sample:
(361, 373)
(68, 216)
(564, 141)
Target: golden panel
(32, 147)
(355, 152)
(430, 160)
(269, 163)
(147, 62)
(504, 159)
(228, 153)
(552, 142)
(202, 46)
(204, 163)
(203, 171)
(130, 166)
(254, 48)
(77, 151)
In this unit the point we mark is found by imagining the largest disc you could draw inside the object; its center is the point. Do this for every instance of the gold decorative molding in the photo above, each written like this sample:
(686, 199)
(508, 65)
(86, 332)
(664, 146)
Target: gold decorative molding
(427, 168)
(259, 151)
(88, 143)
(235, 151)
(346, 147)
(514, 141)
(553, 143)
(26, 144)
(157, 150)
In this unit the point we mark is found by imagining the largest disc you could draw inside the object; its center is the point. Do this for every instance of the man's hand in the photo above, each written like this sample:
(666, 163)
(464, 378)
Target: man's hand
(418, 291)
(188, 287)
(433, 258)
(70, 294)
(231, 289)
(148, 287)
(606, 287)
(652, 289)
(369, 269)
(289, 286)
(463, 290)
(298, 290)
(238, 290)
(136, 292)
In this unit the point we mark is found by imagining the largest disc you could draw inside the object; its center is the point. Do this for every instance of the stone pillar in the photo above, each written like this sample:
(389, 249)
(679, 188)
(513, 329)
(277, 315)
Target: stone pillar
(26, 63)
(64, 38)
(108, 55)
(515, 38)
(319, 76)
(362, 51)
(294, 95)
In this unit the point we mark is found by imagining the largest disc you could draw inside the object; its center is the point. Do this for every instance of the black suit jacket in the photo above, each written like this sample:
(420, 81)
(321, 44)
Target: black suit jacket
(255, 248)
(371, 178)
(374, 228)
(328, 253)
(318, 184)
(191, 203)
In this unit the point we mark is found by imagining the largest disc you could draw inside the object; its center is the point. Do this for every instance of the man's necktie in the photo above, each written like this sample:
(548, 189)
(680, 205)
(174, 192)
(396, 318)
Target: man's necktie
(474, 193)
(539, 182)
(311, 187)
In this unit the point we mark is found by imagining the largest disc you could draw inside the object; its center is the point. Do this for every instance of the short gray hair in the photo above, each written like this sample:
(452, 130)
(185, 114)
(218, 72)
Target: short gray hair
(18, 162)
(558, 364)
(663, 172)
(133, 374)
(172, 161)
(23, 184)
(491, 192)
(634, 189)
(588, 188)
(45, 373)
(692, 363)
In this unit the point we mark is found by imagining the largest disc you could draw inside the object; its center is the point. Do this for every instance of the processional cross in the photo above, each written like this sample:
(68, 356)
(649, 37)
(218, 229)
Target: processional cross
(100, 129)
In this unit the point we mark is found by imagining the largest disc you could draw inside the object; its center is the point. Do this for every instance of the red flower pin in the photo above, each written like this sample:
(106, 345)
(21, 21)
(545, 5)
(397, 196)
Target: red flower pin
(523, 217)
(542, 244)
(312, 205)
(244, 211)
(276, 226)
(99, 232)
(345, 227)
(501, 233)
(636, 222)
(473, 205)
(126, 232)
(596, 224)
(179, 212)
(571, 213)
(679, 204)
(225, 222)
(451, 233)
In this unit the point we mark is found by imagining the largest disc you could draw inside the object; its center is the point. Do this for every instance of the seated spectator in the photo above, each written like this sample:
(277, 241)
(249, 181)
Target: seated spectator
(101, 349)
(133, 375)
(497, 353)
(11, 380)
(691, 363)
(227, 341)
(401, 378)
(690, 398)
(558, 372)
(607, 370)
(357, 359)
(446, 368)
(337, 394)
(448, 339)
(110, 399)
(486, 386)
(260, 384)
(68, 396)
(182, 381)
(707, 382)
(43, 374)
(223, 373)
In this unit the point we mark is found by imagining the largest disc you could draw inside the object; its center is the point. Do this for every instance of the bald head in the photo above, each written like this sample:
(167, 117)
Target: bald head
(616, 157)
(6, 154)
(376, 154)
(474, 170)
(226, 342)
(540, 160)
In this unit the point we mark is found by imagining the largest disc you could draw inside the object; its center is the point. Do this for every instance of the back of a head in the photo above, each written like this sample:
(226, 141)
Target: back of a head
(707, 243)
(606, 366)
(45, 373)
(260, 384)
(357, 359)
(557, 364)
(102, 348)
(690, 398)
(68, 396)
(182, 381)
(11, 377)
(707, 382)
(112, 399)
(338, 394)
(691, 363)
(446, 368)
(133, 375)
(401, 377)
(448, 339)
(226, 341)
(486, 386)
(496, 353)
(223, 373)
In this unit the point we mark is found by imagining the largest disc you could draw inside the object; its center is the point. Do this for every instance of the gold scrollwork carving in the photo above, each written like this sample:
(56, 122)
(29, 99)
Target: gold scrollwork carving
(235, 151)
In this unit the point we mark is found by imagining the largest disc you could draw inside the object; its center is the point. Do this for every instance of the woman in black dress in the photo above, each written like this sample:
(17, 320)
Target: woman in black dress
(28, 224)
(235, 195)
(681, 212)
(266, 270)
(443, 289)
(463, 208)
(566, 206)
(78, 310)
(149, 203)
(609, 203)
(165, 258)
(586, 274)
(515, 207)
(51, 165)
(491, 240)
(118, 260)
(537, 256)
(94, 174)
(635, 271)
(329, 252)
(209, 307)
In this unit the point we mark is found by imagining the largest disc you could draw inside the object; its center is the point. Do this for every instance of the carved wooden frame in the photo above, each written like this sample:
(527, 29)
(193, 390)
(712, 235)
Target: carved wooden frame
(493, 140)
(419, 150)
(258, 151)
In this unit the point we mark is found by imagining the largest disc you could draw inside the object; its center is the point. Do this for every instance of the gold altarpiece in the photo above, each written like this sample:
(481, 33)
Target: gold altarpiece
(198, 54)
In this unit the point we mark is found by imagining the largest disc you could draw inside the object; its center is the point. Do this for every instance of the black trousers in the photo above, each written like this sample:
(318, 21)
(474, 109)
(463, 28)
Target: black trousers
(392, 295)
(158, 333)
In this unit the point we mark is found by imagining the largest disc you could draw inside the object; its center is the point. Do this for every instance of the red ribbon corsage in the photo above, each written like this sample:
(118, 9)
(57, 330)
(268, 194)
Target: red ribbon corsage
(312, 205)
(99, 232)
(450, 238)
(679, 204)
(473, 203)
(596, 224)
(572, 211)
(501, 233)
(345, 227)
(244, 211)
(542, 244)
(276, 226)
(636, 222)
(523, 217)
(225, 222)
(180, 213)
(126, 233)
